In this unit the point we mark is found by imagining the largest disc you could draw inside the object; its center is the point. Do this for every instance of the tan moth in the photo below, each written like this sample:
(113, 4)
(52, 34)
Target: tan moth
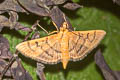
(61, 47)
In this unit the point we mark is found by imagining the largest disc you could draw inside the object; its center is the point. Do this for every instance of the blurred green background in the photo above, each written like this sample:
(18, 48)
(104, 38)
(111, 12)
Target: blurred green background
(96, 14)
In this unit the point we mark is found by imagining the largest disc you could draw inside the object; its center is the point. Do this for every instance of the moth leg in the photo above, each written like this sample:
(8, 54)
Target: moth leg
(52, 32)
(39, 71)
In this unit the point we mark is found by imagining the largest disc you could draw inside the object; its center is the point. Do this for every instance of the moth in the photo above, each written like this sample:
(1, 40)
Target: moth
(63, 46)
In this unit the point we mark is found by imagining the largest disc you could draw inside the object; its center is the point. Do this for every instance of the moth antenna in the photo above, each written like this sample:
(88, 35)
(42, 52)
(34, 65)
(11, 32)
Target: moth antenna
(42, 28)
(65, 23)
(64, 17)
(55, 26)
(46, 30)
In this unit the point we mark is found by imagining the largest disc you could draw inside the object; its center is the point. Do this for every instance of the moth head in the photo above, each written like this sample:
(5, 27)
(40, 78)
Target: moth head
(64, 26)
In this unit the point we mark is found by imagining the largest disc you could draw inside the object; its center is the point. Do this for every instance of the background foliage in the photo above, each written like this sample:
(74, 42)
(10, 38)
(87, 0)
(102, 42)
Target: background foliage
(96, 14)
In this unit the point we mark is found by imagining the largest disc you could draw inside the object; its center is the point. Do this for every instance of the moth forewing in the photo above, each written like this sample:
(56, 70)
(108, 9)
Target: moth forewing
(45, 50)
(83, 42)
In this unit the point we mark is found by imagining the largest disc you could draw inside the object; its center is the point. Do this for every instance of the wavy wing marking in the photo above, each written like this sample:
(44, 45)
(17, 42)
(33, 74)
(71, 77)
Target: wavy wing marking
(82, 42)
(46, 50)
